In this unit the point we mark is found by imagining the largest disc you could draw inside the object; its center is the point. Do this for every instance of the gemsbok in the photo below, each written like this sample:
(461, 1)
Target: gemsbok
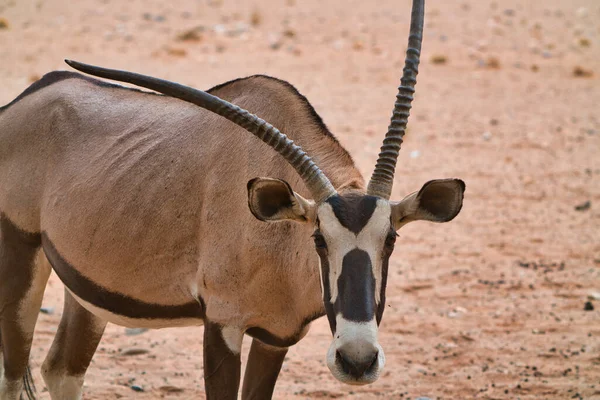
(151, 210)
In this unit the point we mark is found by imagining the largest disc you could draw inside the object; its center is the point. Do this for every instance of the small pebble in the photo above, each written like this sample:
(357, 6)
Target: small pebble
(3, 23)
(135, 331)
(588, 306)
(584, 42)
(170, 389)
(581, 72)
(583, 206)
(486, 136)
(137, 388)
(594, 296)
(255, 18)
(134, 351)
(190, 35)
(415, 154)
(47, 310)
(439, 59)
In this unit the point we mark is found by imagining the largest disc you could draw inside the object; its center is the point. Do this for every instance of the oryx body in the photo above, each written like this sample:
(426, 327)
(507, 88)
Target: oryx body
(149, 211)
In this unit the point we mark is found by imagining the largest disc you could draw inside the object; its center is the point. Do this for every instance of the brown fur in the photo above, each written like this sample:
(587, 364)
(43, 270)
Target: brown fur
(153, 190)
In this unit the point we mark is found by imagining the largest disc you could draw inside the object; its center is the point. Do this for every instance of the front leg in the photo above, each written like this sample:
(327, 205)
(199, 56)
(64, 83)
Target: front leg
(264, 364)
(222, 363)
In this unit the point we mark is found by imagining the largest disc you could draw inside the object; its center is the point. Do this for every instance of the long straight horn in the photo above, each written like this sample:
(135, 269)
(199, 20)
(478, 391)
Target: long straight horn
(318, 184)
(382, 179)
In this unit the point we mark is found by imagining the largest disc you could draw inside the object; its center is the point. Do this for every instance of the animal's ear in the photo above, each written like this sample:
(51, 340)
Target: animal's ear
(439, 200)
(274, 200)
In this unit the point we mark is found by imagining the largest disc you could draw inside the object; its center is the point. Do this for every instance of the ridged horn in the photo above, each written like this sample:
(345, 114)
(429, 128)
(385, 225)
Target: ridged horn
(315, 180)
(382, 179)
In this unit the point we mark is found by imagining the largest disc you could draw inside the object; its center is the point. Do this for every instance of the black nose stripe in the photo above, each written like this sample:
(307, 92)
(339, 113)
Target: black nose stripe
(356, 287)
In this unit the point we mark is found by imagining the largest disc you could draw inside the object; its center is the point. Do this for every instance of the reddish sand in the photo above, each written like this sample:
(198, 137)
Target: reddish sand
(489, 306)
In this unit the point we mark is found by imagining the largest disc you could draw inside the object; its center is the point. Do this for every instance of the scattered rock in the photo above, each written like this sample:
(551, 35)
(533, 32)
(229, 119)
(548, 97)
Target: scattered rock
(583, 206)
(422, 398)
(546, 54)
(175, 51)
(439, 59)
(289, 32)
(255, 18)
(588, 306)
(584, 42)
(509, 12)
(492, 62)
(415, 154)
(136, 388)
(3, 23)
(358, 45)
(594, 296)
(581, 72)
(191, 35)
(134, 351)
(487, 135)
(220, 29)
(275, 41)
(170, 389)
(135, 331)
(240, 28)
(534, 68)
(47, 310)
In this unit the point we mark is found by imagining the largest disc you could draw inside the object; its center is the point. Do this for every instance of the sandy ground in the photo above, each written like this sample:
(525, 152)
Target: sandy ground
(490, 306)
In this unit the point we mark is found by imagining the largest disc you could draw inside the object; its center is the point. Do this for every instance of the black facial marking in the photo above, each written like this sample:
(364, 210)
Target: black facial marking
(354, 210)
(356, 287)
(384, 273)
(114, 302)
(327, 292)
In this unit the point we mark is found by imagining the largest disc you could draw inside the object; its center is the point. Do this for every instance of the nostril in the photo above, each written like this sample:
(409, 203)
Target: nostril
(356, 368)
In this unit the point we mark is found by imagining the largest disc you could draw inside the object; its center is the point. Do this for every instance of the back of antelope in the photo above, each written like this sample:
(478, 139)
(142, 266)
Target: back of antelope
(155, 212)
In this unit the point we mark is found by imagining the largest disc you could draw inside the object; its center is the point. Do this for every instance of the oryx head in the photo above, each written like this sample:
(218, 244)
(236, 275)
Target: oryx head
(354, 236)
(354, 232)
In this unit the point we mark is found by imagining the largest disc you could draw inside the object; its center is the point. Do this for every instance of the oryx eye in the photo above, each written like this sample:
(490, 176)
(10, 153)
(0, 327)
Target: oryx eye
(319, 241)
(390, 240)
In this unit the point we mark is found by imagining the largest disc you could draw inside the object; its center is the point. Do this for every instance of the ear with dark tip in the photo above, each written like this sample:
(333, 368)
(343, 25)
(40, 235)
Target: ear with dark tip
(274, 200)
(438, 201)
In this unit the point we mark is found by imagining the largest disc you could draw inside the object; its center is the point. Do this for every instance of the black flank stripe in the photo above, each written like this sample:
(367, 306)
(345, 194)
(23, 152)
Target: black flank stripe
(114, 302)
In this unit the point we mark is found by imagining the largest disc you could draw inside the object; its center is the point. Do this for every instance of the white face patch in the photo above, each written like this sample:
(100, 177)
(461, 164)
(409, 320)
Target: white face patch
(340, 241)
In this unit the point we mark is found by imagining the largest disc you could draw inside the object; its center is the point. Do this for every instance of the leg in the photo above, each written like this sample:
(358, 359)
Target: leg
(222, 363)
(22, 285)
(72, 350)
(264, 364)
